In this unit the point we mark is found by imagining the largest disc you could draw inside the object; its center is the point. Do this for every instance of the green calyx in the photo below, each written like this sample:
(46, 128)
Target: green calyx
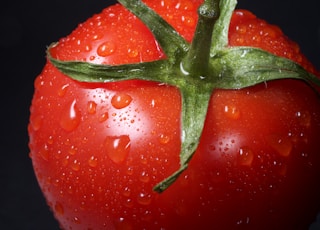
(197, 69)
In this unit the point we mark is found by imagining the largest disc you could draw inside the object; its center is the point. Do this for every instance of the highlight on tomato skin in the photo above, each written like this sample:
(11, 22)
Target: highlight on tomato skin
(98, 149)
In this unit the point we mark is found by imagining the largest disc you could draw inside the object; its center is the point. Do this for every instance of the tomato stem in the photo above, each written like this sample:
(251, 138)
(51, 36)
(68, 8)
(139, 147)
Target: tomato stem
(196, 89)
(196, 61)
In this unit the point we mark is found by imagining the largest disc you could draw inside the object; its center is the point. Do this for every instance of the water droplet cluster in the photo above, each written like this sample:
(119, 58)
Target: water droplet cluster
(247, 30)
(98, 135)
(113, 37)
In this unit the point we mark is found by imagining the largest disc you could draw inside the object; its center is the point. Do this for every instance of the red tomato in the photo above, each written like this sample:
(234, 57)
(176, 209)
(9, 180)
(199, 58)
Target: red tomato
(98, 149)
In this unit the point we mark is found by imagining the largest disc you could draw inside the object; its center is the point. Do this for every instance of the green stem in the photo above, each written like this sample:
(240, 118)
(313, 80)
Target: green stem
(196, 89)
(197, 59)
(195, 102)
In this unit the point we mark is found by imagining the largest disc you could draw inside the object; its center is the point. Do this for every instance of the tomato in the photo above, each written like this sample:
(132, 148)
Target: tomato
(100, 148)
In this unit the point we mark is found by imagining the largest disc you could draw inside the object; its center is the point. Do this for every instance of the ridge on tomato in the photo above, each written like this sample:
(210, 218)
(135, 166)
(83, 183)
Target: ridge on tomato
(190, 99)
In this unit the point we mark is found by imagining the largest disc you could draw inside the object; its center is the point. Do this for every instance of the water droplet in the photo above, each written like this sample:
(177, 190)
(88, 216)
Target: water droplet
(153, 103)
(59, 208)
(133, 53)
(164, 139)
(57, 154)
(50, 140)
(123, 224)
(128, 203)
(106, 49)
(144, 177)
(241, 29)
(44, 152)
(188, 21)
(39, 82)
(104, 117)
(304, 118)
(144, 198)
(75, 165)
(62, 91)
(65, 161)
(36, 122)
(245, 156)
(243, 221)
(97, 36)
(70, 189)
(93, 161)
(130, 171)
(76, 220)
(92, 106)
(87, 48)
(304, 155)
(282, 145)
(126, 192)
(72, 150)
(70, 117)
(117, 147)
(232, 112)
(143, 160)
(121, 100)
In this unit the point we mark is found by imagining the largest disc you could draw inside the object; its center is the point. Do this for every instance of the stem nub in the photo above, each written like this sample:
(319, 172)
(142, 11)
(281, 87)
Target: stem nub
(197, 60)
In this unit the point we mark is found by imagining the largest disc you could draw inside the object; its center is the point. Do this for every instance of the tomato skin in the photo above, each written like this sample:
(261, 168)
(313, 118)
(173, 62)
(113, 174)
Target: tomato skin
(99, 148)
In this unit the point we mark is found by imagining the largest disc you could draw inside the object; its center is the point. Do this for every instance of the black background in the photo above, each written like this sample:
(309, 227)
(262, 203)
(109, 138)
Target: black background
(26, 28)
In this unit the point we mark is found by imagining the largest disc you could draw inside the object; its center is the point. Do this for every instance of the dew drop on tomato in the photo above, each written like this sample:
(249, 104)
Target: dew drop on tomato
(144, 198)
(93, 161)
(117, 148)
(97, 36)
(65, 161)
(122, 223)
(245, 156)
(87, 48)
(72, 150)
(50, 140)
(70, 117)
(106, 48)
(164, 139)
(188, 21)
(282, 145)
(76, 220)
(92, 107)
(232, 112)
(103, 117)
(75, 165)
(128, 203)
(304, 118)
(144, 177)
(70, 189)
(129, 171)
(62, 91)
(59, 208)
(36, 122)
(44, 152)
(126, 192)
(121, 100)
(133, 53)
